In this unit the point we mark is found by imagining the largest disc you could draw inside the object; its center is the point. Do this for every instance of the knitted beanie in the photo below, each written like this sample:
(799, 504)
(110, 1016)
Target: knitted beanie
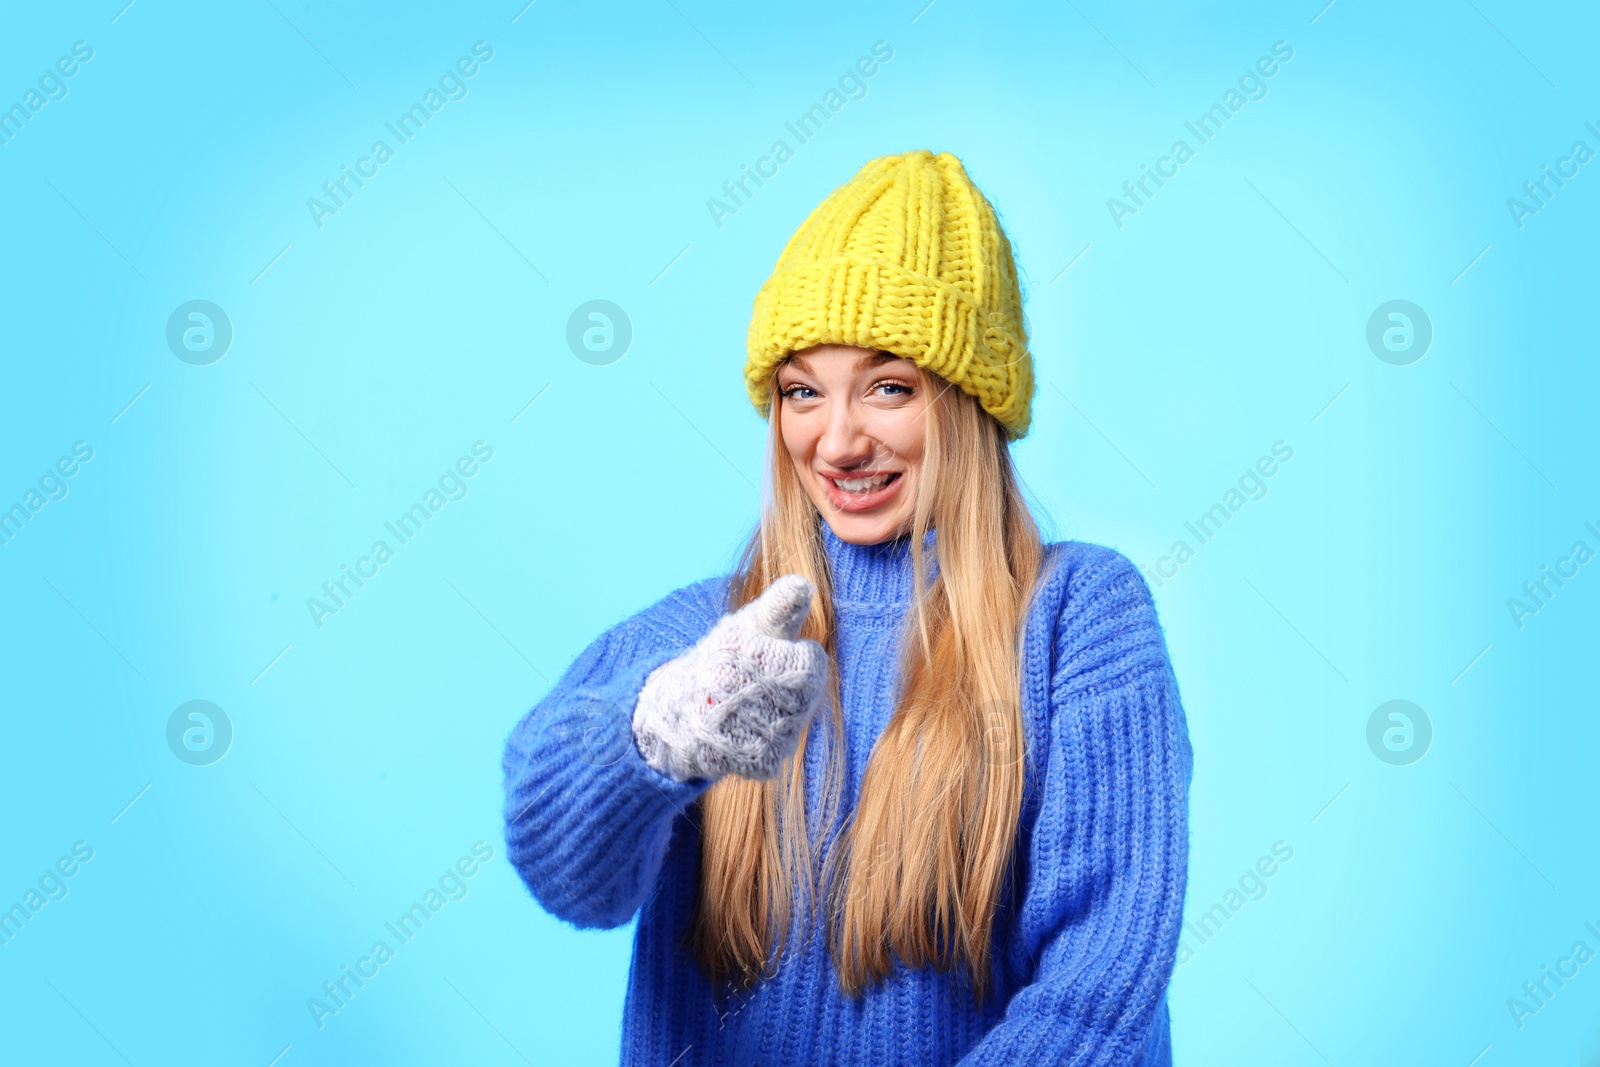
(909, 258)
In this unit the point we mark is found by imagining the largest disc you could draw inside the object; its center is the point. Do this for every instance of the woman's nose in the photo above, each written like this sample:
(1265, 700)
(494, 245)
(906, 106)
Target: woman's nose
(845, 442)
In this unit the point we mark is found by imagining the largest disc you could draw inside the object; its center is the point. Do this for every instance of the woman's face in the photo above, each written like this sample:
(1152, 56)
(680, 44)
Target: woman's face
(852, 422)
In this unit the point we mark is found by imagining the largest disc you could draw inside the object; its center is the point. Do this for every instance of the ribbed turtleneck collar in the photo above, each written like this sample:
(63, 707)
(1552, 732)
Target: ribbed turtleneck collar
(877, 574)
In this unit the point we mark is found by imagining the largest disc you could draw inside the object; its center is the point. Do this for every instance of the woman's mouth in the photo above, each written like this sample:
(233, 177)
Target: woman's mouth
(862, 491)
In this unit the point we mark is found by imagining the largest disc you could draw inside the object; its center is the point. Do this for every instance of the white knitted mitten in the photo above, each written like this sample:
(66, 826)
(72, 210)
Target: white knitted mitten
(735, 703)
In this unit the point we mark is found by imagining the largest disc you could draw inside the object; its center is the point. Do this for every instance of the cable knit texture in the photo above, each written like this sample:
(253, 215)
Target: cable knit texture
(735, 703)
(1084, 944)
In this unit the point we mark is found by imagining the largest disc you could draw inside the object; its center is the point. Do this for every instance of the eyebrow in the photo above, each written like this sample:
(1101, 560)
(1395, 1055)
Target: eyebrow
(868, 360)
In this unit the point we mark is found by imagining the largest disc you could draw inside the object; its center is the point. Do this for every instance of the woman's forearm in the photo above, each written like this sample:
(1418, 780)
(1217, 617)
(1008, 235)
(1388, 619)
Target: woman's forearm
(587, 820)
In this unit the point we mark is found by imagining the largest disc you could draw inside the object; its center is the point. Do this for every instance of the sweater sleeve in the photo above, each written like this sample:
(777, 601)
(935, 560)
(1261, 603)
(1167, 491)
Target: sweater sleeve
(588, 821)
(1107, 859)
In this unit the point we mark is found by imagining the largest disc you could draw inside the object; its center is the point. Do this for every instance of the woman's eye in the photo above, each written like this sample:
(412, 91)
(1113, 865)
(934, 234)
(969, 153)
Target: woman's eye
(798, 392)
(897, 388)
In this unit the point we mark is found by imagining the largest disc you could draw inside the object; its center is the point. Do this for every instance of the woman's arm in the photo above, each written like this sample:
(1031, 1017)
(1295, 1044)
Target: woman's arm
(1108, 854)
(587, 820)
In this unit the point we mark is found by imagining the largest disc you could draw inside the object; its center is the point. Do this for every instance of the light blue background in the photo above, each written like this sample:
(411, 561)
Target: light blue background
(1222, 317)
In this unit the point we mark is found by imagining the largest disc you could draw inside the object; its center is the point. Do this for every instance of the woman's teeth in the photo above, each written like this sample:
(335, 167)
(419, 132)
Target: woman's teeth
(862, 485)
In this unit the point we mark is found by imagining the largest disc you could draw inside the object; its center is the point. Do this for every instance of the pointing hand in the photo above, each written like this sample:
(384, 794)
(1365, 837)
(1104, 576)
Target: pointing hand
(736, 702)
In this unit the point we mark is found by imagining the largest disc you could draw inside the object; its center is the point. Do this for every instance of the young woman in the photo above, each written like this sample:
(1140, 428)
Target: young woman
(909, 786)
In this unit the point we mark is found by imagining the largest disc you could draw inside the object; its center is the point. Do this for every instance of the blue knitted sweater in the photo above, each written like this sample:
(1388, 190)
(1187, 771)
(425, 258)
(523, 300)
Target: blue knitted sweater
(1083, 949)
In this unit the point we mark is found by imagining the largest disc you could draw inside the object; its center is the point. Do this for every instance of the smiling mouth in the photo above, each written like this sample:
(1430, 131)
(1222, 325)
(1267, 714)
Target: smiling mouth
(863, 492)
(864, 484)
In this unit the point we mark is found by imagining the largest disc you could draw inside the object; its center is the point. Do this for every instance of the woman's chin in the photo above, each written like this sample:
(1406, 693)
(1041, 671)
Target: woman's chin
(866, 518)
(866, 529)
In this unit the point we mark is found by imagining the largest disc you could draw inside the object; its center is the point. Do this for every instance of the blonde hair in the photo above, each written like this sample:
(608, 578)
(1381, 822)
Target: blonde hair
(924, 859)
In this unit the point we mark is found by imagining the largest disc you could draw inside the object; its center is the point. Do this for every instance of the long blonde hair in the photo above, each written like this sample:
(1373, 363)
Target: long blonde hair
(921, 865)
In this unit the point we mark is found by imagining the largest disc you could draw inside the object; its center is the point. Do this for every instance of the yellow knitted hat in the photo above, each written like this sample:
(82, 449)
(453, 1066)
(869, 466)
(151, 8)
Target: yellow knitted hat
(907, 257)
